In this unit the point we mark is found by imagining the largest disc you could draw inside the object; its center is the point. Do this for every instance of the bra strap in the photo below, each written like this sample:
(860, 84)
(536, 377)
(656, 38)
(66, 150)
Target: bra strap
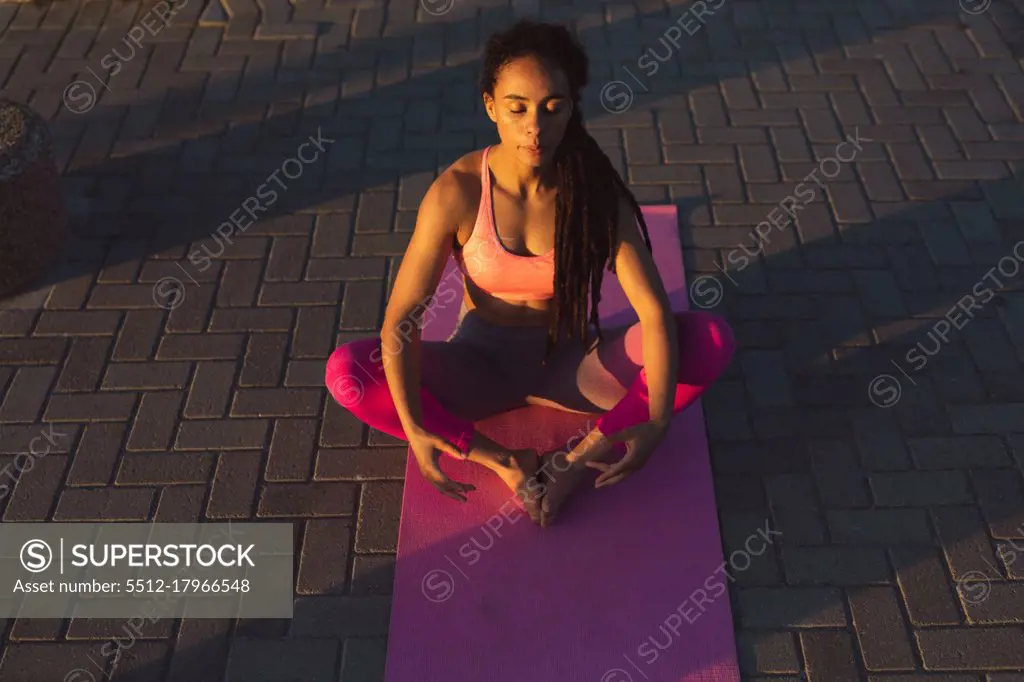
(485, 173)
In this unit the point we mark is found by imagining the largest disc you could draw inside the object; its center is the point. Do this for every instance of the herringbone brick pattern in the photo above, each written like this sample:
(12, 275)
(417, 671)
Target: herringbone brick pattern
(242, 186)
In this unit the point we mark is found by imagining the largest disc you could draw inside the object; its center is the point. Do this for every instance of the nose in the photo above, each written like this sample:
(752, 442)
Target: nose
(533, 126)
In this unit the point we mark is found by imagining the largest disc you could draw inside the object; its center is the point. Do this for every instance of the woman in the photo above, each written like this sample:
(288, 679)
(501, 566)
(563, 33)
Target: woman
(532, 223)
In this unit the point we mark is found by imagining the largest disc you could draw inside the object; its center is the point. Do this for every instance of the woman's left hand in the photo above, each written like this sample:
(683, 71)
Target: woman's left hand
(641, 441)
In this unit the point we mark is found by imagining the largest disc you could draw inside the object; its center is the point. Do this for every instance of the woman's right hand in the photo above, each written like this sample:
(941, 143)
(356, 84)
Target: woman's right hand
(426, 447)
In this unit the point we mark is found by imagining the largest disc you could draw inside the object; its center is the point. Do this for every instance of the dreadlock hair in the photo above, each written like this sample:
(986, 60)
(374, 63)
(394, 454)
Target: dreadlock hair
(588, 185)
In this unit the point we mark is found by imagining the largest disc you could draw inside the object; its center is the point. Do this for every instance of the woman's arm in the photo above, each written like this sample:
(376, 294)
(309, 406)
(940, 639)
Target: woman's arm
(641, 282)
(416, 282)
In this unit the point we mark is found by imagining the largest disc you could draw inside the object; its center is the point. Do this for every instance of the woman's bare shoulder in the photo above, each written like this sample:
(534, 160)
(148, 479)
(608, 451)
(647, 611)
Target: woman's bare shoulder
(458, 187)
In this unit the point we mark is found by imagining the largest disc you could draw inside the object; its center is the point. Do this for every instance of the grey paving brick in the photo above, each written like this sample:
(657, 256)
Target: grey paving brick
(965, 541)
(360, 464)
(307, 499)
(146, 375)
(830, 656)
(165, 468)
(323, 563)
(766, 608)
(239, 284)
(106, 504)
(363, 659)
(340, 616)
(291, 450)
(994, 602)
(835, 566)
(200, 347)
(766, 378)
(879, 441)
(29, 660)
(277, 402)
(236, 434)
(263, 660)
(961, 452)
(373, 574)
(884, 643)
(921, 489)
(771, 652)
(880, 526)
(90, 407)
(233, 491)
(1000, 495)
(180, 504)
(201, 649)
(155, 421)
(987, 419)
(210, 391)
(27, 394)
(837, 472)
(84, 366)
(957, 648)
(264, 360)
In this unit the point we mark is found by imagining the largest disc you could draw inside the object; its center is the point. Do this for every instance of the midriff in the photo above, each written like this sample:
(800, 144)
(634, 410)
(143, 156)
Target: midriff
(507, 313)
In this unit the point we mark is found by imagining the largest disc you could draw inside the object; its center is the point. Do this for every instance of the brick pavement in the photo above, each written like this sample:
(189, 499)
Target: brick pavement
(179, 373)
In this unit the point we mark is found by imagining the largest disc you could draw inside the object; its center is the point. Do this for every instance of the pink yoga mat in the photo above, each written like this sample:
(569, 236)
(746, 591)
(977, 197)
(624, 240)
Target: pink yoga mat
(627, 586)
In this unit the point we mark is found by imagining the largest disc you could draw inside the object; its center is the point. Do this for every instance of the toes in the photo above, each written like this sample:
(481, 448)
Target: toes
(534, 510)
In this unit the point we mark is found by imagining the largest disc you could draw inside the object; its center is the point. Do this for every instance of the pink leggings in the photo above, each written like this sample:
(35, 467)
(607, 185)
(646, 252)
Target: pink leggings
(484, 369)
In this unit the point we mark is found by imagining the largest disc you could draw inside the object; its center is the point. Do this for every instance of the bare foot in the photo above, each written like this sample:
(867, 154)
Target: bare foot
(561, 478)
(518, 473)
(517, 468)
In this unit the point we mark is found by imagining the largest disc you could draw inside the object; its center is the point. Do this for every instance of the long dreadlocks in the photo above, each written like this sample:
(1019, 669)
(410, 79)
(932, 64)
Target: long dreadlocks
(589, 187)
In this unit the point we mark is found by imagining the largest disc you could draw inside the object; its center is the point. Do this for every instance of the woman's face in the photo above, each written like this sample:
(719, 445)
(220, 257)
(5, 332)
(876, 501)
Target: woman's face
(531, 107)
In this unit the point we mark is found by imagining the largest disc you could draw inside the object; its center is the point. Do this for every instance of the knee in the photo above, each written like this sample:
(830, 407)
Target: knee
(351, 370)
(709, 338)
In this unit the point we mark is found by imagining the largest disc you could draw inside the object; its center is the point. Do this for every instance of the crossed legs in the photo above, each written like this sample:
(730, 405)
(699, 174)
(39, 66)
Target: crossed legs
(461, 384)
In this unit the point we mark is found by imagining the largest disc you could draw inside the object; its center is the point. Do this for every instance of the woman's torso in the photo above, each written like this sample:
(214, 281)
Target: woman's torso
(524, 249)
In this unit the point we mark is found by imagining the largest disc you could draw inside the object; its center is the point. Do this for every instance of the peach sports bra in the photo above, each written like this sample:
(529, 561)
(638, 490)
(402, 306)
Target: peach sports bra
(491, 267)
